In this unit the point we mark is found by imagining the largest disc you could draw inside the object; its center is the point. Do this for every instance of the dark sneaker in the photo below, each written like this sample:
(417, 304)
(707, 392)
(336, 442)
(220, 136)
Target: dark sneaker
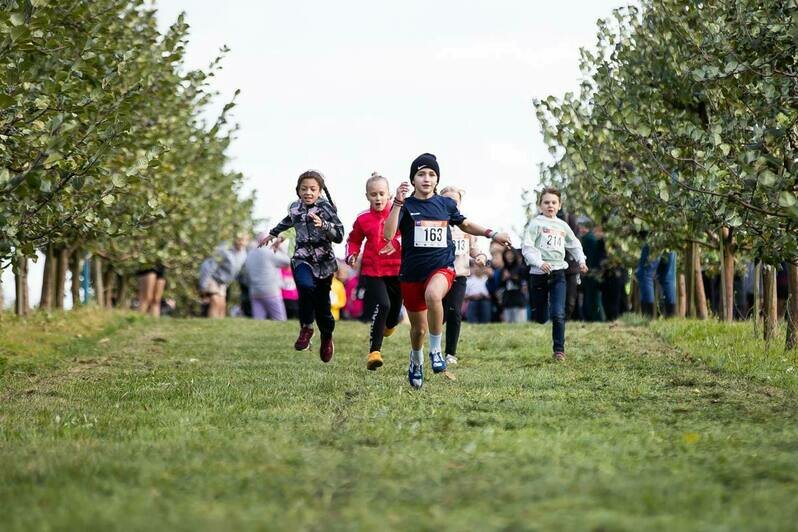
(415, 375)
(326, 349)
(558, 356)
(303, 340)
(438, 362)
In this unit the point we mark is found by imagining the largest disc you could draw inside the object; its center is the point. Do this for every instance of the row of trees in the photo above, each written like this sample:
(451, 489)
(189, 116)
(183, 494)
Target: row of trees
(686, 127)
(104, 150)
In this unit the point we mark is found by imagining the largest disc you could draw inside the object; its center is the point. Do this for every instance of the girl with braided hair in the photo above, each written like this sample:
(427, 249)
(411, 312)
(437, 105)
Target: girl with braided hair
(315, 219)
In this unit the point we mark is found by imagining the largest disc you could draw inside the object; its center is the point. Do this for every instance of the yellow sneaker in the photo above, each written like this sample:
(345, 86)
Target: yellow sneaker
(374, 361)
(388, 331)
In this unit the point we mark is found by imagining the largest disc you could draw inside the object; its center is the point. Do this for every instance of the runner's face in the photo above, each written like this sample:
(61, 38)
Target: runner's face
(378, 195)
(425, 181)
(309, 191)
(549, 205)
(454, 195)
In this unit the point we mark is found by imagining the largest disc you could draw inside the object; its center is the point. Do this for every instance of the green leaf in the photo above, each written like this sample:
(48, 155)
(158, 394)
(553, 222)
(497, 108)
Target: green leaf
(725, 149)
(5, 175)
(768, 178)
(17, 18)
(6, 101)
(787, 199)
(108, 199)
(119, 180)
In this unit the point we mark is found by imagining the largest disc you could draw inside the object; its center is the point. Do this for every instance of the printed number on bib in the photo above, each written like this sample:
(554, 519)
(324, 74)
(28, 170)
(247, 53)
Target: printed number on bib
(461, 246)
(430, 234)
(552, 241)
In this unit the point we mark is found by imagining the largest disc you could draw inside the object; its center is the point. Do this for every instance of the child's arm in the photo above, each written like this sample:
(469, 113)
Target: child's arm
(529, 250)
(353, 242)
(574, 246)
(284, 225)
(473, 228)
(392, 222)
(333, 228)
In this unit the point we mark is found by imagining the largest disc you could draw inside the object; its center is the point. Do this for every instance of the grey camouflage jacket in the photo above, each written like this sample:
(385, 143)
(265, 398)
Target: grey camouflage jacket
(313, 244)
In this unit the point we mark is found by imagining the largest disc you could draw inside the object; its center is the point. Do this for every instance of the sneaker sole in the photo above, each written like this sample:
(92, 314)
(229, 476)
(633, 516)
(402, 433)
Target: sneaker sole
(373, 365)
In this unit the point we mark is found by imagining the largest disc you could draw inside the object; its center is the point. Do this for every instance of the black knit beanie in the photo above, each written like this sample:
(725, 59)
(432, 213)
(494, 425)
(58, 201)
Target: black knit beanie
(425, 160)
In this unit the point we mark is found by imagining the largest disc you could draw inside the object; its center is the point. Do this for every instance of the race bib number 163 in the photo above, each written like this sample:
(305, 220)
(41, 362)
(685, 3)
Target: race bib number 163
(430, 234)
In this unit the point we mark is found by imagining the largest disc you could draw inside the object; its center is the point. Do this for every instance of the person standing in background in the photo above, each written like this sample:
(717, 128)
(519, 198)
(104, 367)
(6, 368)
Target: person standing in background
(262, 271)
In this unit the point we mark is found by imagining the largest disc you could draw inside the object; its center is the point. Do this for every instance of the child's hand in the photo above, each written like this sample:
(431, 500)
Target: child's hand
(352, 260)
(388, 249)
(315, 218)
(503, 239)
(481, 259)
(402, 191)
(583, 268)
(545, 267)
(265, 241)
(277, 243)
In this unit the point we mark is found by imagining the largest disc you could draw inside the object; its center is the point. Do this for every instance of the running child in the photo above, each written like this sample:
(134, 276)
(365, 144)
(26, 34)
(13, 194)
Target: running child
(465, 249)
(427, 269)
(313, 264)
(379, 273)
(545, 242)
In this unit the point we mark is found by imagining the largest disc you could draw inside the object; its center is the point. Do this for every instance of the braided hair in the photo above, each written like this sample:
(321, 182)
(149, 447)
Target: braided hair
(318, 178)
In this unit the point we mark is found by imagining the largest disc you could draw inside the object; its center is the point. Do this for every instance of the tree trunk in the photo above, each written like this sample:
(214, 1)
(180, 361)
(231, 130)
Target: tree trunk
(61, 267)
(48, 279)
(21, 286)
(771, 302)
(757, 310)
(2, 296)
(689, 272)
(727, 273)
(123, 302)
(75, 267)
(97, 278)
(682, 296)
(635, 292)
(700, 293)
(108, 282)
(792, 306)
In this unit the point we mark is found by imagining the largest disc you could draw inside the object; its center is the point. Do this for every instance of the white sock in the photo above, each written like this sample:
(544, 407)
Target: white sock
(417, 356)
(435, 343)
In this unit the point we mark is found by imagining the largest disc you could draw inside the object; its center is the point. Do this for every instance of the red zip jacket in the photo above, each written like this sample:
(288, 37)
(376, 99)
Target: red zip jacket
(369, 225)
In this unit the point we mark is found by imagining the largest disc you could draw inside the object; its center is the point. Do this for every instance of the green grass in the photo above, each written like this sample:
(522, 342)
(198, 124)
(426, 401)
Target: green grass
(733, 348)
(199, 425)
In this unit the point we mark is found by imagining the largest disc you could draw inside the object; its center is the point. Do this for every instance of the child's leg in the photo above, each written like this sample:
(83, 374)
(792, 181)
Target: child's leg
(436, 290)
(258, 308)
(395, 298)
(418, 330)
(557, 289)
(375, 287)
(453, 305)
(539, 292)
(306, 285)
(321, 305)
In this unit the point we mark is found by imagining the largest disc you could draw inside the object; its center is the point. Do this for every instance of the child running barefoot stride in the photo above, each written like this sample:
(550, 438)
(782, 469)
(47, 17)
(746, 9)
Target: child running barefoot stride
(313, 264)
(427, 269)
(464, 250)
(545, 242)
(378, 273)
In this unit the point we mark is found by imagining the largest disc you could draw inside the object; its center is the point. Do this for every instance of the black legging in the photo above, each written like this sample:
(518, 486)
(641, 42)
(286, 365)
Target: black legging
(452, 313)
(386, 295)
(314, 299)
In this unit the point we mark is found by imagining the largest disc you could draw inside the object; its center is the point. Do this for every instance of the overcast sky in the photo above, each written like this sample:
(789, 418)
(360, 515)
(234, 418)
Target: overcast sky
(354, 86)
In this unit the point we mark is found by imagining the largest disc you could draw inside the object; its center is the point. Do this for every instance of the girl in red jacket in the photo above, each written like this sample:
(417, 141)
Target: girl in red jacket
(379, 272)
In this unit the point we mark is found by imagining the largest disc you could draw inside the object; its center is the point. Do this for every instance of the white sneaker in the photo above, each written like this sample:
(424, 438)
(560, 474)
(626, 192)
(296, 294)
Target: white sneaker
(451, 360)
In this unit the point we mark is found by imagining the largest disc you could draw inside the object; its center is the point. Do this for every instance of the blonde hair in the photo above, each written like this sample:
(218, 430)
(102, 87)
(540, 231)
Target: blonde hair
(458, 191)
(376, 176)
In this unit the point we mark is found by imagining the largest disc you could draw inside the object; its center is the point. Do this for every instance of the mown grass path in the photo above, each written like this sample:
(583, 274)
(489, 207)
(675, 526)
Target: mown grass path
(220, 425)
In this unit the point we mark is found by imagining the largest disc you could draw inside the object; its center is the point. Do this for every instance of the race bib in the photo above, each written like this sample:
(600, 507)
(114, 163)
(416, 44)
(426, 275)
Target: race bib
(461, 246)
(551, 240)
(430, 234)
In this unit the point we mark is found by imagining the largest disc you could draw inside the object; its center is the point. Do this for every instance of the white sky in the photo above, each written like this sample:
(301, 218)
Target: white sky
(354, 86)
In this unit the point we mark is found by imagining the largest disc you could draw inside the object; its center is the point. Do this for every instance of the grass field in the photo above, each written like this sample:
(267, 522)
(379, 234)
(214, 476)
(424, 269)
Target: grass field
(209, 425)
